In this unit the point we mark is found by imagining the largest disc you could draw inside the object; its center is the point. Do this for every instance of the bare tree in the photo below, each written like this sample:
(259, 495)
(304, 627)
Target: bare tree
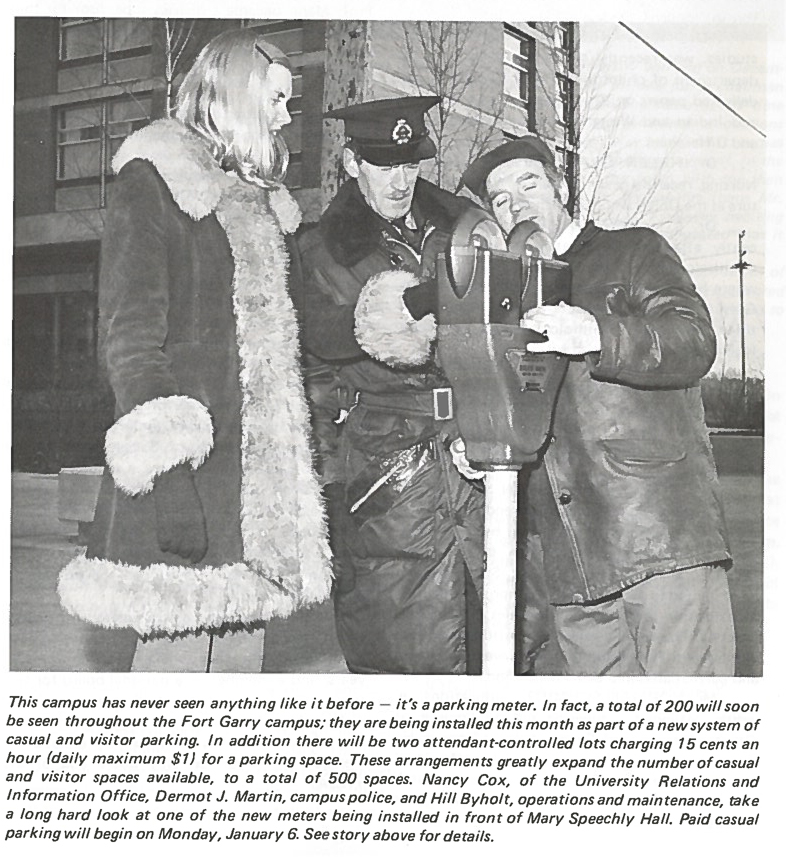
(443, 60)
(588, 118)
(599, 194)
(177, 36)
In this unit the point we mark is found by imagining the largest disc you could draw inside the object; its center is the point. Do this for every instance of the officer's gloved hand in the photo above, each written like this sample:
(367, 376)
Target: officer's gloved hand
(458, 452)
(421, 300)
(180, 518)
(339, 525)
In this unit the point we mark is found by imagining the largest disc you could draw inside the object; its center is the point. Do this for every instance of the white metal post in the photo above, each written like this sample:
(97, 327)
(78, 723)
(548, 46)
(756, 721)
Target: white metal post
(499, 582)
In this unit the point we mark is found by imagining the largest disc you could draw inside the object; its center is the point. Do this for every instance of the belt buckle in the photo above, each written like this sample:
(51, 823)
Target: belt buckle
(443, 403)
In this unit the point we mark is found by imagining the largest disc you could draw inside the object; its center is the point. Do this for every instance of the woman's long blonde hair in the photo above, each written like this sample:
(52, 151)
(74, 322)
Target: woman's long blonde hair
(220, 99)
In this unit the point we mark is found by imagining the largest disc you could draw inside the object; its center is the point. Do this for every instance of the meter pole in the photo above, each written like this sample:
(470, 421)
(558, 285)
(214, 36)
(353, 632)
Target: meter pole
(499, 582)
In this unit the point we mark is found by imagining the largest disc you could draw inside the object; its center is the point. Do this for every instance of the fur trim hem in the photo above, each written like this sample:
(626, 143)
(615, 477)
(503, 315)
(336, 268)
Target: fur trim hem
(167, 599)
(384, 328)
(155, 437)
(286, 210)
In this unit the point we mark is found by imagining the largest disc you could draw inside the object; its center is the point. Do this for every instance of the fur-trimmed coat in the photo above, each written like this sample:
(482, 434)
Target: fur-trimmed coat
(200, 340)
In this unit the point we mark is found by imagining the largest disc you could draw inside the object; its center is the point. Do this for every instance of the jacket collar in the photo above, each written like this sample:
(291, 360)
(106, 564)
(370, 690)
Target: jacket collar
(566, 238)
(183, 161)
(352, 230)
(588, 232)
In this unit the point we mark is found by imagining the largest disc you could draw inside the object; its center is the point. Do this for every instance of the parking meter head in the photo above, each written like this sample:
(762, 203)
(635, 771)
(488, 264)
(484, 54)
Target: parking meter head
(544, 280)
(527, 239)
(476, 227)
(478, 286)
(504, 394)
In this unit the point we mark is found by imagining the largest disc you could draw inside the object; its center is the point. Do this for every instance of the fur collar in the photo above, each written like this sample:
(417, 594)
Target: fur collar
(183, 161)
(351, 229)
(193, 177)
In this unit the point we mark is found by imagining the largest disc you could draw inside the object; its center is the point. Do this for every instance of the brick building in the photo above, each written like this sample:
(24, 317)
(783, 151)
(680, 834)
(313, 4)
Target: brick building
(83, 84)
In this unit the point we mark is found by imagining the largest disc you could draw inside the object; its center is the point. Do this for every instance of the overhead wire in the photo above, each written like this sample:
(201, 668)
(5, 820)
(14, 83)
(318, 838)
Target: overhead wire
(691, 78)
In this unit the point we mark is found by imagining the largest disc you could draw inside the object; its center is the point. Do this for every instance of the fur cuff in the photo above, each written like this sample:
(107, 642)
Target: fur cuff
(169, 599)
(286, 210)
(383, 326)
(154, 437)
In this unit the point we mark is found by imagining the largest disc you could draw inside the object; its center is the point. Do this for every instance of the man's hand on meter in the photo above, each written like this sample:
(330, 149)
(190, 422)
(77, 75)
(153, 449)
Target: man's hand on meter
(570, 330)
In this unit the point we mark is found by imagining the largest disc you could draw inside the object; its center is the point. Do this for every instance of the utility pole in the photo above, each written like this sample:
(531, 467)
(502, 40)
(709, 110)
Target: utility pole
(741, 265)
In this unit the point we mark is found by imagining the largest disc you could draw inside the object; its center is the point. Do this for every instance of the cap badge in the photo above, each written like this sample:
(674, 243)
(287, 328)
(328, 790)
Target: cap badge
(402, 132)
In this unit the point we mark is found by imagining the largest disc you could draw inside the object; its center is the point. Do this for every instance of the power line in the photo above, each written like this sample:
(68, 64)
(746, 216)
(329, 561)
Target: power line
(692, 79)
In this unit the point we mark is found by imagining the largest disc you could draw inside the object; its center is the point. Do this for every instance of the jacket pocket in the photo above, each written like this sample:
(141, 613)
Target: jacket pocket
(392, 502)
(641, 457)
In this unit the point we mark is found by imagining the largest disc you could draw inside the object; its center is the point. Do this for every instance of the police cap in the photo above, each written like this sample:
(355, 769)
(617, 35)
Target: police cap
(390, 130)
(530, 147)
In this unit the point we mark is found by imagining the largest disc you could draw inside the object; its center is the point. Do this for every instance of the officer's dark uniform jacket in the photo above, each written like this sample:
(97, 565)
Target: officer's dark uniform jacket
(414, 523)
(628, 486)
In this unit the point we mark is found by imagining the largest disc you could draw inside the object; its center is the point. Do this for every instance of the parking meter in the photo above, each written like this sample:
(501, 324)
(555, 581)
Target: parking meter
(504, 396)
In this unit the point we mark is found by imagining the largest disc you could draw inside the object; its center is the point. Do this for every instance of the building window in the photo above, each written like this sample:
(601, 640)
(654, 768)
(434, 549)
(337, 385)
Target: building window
(88, 135)
(287, 36)
(519, 72)
(101, 51)
(565, 43)
(566, 109)
(54, 340)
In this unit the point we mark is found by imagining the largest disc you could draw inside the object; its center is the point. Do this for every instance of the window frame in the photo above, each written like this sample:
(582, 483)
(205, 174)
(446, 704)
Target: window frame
(523, 65)
(106, 56)
(102, 177)
(565, 42)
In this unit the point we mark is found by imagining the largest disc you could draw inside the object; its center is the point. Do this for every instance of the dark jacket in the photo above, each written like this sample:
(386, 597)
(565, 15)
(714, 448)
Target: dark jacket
(200, 341)
(628, 486)
(415, 541)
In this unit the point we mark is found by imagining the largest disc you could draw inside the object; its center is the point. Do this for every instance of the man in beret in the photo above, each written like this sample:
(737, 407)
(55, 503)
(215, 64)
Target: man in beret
(406, 526)
(627, 499)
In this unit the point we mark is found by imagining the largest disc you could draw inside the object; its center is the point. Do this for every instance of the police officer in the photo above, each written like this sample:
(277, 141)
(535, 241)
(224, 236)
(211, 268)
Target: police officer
(406, 526)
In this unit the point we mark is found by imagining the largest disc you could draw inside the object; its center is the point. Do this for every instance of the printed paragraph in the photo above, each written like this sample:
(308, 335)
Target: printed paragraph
(364, 770)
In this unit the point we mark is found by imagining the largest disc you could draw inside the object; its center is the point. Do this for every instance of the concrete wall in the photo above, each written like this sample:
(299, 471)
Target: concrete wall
(347, 62)
(35, 56)
(34, 159)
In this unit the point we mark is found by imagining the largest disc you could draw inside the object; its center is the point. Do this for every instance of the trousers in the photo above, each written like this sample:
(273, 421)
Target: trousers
(238, 651)
(672, 624)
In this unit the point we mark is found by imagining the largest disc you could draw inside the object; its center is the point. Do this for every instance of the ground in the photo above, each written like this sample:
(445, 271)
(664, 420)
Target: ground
(45, 638)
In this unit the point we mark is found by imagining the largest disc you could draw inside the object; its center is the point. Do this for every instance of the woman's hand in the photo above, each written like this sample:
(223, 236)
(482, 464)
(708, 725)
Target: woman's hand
(180, 518)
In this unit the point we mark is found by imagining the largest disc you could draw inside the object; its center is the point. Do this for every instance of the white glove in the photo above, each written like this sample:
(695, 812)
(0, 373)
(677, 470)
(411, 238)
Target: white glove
(458, 452)
(570, 330)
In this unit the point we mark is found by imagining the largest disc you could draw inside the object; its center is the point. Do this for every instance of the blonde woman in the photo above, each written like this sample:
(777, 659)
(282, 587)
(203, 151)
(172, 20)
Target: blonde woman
(209, 520)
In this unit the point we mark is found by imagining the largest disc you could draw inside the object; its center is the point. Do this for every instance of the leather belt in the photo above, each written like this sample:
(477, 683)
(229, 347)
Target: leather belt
(437, 403)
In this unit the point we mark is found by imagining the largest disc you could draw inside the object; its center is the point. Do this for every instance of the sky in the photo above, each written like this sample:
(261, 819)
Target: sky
(709, 165)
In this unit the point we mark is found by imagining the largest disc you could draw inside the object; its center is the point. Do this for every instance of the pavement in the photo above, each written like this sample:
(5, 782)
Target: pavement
(43, 637)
